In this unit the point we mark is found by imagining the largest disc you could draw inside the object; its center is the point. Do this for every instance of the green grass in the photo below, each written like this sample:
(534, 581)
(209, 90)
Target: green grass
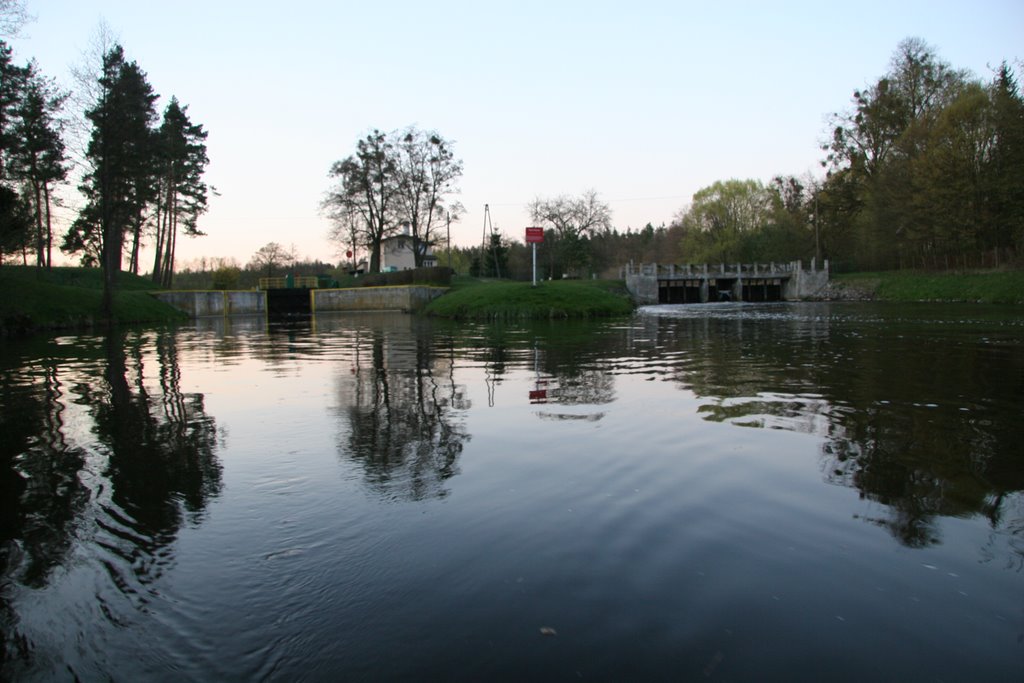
(34, 299)
(472, 299)
(996, 287)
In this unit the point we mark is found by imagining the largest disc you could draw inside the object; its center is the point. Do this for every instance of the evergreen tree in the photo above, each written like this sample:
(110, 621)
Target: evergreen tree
(12, 83)
(38, 157)
(15, 223)
(1005, 171)
(182, 195)
(121, 149)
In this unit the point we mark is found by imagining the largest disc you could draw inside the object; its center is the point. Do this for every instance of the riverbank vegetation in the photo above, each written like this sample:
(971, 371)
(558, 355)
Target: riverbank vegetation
(68, 298)
(993, 287)
(476, 299)
(140, 176)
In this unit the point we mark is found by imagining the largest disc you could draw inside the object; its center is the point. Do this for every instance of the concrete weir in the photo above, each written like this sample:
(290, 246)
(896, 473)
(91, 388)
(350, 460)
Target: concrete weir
(297, 301)
(653, 283)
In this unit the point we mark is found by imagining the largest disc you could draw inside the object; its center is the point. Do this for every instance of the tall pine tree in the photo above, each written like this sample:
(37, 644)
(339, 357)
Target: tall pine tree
(120, 154)
(15, 224)
(38, 157)
(1005, 171)
(182, 195)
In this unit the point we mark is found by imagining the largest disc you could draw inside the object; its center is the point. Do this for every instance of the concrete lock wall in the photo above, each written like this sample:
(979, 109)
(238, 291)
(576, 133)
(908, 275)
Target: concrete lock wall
(374, 298)
(209, 303)
(805, 284)
(644, 288)
(201, 304)
(245, 303)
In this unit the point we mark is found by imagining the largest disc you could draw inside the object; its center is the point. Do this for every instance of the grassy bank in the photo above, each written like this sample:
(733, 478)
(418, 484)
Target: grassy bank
(996, 287)
(472, 299)
(34, 299)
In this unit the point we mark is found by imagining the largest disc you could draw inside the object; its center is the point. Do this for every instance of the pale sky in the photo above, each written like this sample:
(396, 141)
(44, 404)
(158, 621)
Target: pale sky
(645, 102)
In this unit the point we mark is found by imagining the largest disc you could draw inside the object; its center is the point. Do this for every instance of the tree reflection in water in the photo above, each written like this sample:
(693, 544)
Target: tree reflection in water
(401, 404)
(926, 427)
(148, 466)
(161, 463)
(41, 490)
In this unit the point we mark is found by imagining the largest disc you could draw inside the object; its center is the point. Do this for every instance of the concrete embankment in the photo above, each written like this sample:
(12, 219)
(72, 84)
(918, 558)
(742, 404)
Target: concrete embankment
(408, 299)
(207, 303)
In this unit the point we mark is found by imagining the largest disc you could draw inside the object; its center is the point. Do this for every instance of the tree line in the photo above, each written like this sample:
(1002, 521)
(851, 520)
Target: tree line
(925, 169)
(140, 176)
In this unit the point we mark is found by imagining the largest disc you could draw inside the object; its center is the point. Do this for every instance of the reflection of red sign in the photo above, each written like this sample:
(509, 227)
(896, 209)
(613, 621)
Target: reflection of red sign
(534, 235)
(539, 396)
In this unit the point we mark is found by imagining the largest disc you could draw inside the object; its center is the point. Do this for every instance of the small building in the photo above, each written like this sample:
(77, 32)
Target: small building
(398, 252)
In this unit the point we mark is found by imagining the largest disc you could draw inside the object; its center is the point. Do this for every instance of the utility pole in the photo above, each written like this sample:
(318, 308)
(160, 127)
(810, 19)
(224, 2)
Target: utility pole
(817, 240)
(483, 247)
(483, 242)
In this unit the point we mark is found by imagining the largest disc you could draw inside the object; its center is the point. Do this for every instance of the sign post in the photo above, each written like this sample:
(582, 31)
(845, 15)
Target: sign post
(534, 236)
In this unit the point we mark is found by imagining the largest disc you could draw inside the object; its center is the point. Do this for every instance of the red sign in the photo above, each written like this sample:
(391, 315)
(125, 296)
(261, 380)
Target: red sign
(534, 235)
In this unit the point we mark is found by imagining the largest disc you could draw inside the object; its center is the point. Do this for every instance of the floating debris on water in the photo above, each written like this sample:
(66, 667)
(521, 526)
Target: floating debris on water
(716, 659)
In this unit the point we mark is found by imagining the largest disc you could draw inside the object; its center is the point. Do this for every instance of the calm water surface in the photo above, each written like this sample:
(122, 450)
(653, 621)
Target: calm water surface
(725, 492)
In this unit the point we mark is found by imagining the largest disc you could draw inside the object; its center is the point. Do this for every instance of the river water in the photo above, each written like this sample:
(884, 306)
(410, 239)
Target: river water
(730, 492)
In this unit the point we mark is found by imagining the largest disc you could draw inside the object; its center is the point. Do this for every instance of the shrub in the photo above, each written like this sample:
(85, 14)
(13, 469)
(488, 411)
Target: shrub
(438, 276)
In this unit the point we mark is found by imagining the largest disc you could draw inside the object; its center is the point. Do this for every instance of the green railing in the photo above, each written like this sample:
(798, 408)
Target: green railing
(289, 282)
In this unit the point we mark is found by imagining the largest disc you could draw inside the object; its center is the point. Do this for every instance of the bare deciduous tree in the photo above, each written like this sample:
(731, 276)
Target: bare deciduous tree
(366, 188)
(13, 16)
(426, 172)
(394, 178)
(271, 255)
(573, 220)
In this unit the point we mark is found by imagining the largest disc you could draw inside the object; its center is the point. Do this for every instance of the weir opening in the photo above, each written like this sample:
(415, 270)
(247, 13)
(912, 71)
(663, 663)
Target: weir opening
(762, 290)
(293, 301)
(679, 291)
